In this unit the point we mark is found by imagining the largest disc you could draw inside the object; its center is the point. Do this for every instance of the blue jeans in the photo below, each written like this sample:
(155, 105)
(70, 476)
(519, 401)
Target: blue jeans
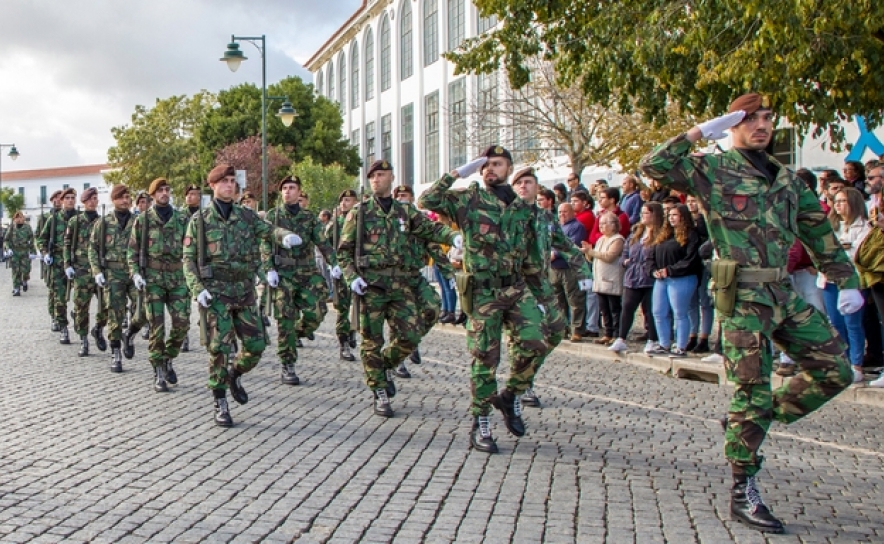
(673, 296)
(850, 327)
(702, 311)
(449, 295)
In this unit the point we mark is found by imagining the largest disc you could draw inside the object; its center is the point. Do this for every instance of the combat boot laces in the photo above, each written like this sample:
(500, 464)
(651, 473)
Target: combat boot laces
(382, 405)
(84, 346)
(480, 437)
(748, 507)
(289, 377)
(65, 336)
(117, 363)
(346, 354)
(511, 408)
(160, 382)
(171, 376)
(222, 413)
(234, 382)
(98, 335)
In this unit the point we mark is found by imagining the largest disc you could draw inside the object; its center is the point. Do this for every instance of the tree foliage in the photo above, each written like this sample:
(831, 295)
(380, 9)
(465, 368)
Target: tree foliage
(246, 155)
(323, 183)
(11, 201)
(818, 60)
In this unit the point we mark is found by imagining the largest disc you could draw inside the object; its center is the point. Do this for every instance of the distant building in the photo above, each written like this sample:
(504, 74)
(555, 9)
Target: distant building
(38, 185)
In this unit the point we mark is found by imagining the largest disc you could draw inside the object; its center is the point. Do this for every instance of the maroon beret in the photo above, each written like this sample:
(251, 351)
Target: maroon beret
(381, 164)
(529, 171)
(56, 194)
(119, 191)
(88, 193)
(403, 189)
(220, 172)
(345, 193)
(289, 179)
(68, 191)
(750, 103)
(495, 151)
(156, 184)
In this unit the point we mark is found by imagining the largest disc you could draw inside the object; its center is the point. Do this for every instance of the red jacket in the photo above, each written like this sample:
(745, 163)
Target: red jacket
(587, 219)
(595, 233)
(799, 259)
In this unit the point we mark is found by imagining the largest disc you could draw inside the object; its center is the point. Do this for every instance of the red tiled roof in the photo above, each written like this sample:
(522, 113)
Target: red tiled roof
(337, 32)
(65, 171)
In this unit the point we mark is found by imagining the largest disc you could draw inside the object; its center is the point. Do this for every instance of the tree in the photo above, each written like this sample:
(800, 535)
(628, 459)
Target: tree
(246, 155)
(160, 142)
(11, 201)
(323, 183)
(315, 133)
(818, 60)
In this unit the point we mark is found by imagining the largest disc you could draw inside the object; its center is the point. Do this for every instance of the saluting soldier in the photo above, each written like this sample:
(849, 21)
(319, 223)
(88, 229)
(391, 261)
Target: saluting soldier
(51, 244)
(375, 239)
(108, 255)
(219, 265)
(293, 277)
(497, 230)
(345, 332)
(155, 263)
(76, 262)
(755, 208)
(20, 249)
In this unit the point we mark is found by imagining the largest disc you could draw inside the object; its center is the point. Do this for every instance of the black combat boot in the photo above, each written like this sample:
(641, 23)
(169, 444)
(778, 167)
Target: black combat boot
(15, 292)
(222, 412)
(98, 335)
(159, 384)
(65, 336)
(288, 376)
(702, 346)
(234, 382)
(511, 408)
(84, 346)
(171, 377)
(461, 319)
(24, 287)
(402, 371)
(391, 385)
(54, 327)
(480, 436)
(352, 339)
(266, 320)
(185, 344)
(129, 343)
(346, 355)
(382, 405)
(415, 357)
(748, 508)
(530, 398)
(117, 361)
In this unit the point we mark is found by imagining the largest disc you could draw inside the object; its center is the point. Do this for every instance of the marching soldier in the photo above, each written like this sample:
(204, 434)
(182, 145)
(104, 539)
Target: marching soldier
(374, 241)
(345, 333)
(192, 196)
(755, 208)
(108, 249)
(219, 248)
(497, 228)
(77, 269)
(51, 244)
(293, 277)
(20, 249)
(304, 327)
(155, 263)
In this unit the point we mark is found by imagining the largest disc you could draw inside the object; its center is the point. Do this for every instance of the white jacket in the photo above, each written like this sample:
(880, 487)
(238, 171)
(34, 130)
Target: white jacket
(852, 234)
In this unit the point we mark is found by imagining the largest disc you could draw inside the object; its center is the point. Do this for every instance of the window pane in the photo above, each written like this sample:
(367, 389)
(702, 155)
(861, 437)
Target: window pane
(457, 123)
(385, 54)
(387, 137)
(431, 143)
(369, 144)
(456, 22)
(354, 79)
(406, 47)
(369, 65)
(431, 32)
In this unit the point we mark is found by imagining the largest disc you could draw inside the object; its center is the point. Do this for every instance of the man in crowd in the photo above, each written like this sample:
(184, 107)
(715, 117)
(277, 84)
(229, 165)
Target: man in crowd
(564, 279)
(574, 184)
(631, 202)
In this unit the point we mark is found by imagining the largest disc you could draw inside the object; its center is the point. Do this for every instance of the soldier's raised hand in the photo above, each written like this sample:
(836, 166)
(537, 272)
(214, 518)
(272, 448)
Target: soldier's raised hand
(714, 128)
(471, 167)
(138, 281)
(204, 298)
(99, 280)
(359, 286)
(70, 272)
(273, 278)
(291, 240)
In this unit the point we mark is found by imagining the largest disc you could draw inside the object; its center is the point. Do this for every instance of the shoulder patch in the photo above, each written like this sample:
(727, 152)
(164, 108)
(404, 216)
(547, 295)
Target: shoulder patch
(187, 241)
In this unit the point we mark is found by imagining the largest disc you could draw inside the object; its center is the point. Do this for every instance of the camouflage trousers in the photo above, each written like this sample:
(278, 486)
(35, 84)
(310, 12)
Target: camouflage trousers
(310, 321)
(342, 306)
(553, 326)
(395, 306)
(514, 308)
(57, 284)
(227, 319)
(20, 263)
(804, 334)
(82, 292)
(162, 293)
(428, 303)
(294, 306)
(117, 292)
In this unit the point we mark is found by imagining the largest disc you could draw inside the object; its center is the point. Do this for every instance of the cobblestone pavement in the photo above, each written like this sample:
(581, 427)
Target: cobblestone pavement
(617, 454)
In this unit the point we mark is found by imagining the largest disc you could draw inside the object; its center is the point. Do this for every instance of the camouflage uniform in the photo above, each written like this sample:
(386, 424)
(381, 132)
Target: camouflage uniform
(342, 290)
(754, 222)
(57, 282)
(390, 295)
(20, 239)
(428, 300)
(295, 298)
(76, 255)
(231, 247)
(163, 274)
(496, 242)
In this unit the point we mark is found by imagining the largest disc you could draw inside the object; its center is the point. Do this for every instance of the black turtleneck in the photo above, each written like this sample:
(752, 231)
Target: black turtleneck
(761, 161)
(386, 203)
(224, 208)
(123, 217)
(69, 213)
(165, 212)
(193, 209)
(91, 216)
(293, 209)
(504, 192)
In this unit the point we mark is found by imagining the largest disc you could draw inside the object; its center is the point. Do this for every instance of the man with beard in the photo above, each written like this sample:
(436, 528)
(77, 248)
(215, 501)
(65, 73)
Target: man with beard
(51, 244)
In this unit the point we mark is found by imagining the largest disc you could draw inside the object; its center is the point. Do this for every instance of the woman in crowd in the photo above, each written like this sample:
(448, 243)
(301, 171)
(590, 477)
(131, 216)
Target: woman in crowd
(674, 262)
(849, 218)
(449, 294)
(607, 274)
(855, 176)
(702, 312)
(869, 259)
(638, 285)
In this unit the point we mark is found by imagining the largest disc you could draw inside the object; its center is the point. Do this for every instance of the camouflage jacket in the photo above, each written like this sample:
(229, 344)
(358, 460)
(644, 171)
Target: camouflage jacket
(548, 236)
(41, 221)
(496, 236)
(116, 245)
(165, 243)
(750, 220)
(422, 251)
(19, 238)
(76, 241)
(53, 234)
(301, 260)
(231, 246)
(387, 241)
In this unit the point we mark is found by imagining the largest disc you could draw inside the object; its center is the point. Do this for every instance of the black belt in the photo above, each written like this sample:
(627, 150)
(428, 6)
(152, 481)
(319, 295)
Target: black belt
(498, 282)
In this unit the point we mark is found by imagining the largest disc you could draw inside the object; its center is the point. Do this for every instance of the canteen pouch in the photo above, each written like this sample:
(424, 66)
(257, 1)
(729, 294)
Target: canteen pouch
(724, 286)
(464, 283)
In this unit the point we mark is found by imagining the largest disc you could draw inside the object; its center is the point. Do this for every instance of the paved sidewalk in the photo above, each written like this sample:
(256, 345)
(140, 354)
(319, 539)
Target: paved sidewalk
(617, 454)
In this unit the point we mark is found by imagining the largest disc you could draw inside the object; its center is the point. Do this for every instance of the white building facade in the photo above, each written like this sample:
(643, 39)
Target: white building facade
(38, 185)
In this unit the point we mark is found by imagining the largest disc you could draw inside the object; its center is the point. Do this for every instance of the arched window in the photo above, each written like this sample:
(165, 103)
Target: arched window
(385, 54)
(369, 65)
(431, 31)
(354, 79)
(319, 83)
(331, 81)
(406, 45)
(456, 23)
(342, 80)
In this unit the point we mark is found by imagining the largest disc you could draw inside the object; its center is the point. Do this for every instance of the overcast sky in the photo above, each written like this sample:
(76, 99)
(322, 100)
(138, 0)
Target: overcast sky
(70, 70)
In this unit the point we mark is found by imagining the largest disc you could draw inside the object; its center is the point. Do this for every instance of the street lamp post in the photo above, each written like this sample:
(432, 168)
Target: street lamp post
(234, 57)
(13, 154)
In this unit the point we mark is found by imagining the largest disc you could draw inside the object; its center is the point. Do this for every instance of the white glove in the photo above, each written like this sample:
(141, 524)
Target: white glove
(458, 241)
(138, 281)
(203, 298)
(359, 286)
(47, 259)
(585, 285)
(452, 284)
(70, 272)
(272, 278)
(714, 128)
(9, 253)
(850, 301)
(336, 272)
(471, 167)
(33, 256)
(99, 280)
(291, 240)
(542, 309)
